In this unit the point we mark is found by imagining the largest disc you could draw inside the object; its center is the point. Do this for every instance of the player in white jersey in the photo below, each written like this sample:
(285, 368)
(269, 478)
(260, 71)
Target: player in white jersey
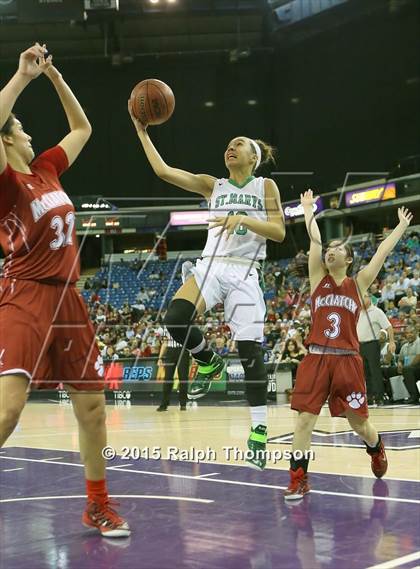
(244, 212)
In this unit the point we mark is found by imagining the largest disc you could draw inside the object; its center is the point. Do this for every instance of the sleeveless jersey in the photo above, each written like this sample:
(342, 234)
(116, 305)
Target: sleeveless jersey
(335, 311)
(229, 199)
(37, 222)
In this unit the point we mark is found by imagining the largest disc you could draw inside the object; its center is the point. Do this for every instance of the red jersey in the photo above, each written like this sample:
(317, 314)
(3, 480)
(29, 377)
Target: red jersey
(335, 312)
(37, 222)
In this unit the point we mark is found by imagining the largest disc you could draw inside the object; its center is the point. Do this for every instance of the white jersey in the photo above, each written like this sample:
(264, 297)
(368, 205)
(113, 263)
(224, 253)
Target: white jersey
(229, 199)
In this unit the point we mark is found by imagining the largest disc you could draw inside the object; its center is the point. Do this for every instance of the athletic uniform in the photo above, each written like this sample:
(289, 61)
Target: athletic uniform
(45, 331)
(333, 368)
(229, 270)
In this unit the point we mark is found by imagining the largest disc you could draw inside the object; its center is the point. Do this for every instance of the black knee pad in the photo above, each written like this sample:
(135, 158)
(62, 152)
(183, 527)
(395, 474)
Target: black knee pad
(178, 320)
(252, 359)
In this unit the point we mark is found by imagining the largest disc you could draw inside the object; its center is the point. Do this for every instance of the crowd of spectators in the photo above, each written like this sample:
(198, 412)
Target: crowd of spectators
(136, 330)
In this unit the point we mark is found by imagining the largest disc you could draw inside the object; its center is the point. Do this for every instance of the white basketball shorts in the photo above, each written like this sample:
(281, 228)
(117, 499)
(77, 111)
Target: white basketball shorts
(237, 287)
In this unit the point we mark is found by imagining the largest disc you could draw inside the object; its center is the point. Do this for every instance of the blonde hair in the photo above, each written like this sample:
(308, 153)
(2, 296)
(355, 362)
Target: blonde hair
(267, 153)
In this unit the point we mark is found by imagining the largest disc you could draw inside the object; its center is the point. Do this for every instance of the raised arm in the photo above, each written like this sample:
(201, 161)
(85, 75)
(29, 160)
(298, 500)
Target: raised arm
(80, 129)
(197, 183)
(316, 266)
(369, 273)
(28, 69)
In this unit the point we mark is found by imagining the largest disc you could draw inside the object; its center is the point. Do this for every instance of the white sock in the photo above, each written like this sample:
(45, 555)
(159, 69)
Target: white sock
(199, 348)
(259, 415)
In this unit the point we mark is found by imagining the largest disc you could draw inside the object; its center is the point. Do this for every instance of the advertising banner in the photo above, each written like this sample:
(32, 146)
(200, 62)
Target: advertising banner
(370, 195)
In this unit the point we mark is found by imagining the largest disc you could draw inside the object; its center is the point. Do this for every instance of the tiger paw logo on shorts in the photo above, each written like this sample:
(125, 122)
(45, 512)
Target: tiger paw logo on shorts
(355, 400)
(99, 366)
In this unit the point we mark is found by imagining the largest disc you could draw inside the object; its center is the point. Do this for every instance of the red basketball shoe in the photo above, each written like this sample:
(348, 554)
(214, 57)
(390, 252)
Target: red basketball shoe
(379, 462)
(298, 485)
(105, 519)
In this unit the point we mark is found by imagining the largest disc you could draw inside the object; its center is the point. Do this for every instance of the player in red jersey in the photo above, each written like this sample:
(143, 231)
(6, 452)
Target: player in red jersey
(333, 368)
(45, 333)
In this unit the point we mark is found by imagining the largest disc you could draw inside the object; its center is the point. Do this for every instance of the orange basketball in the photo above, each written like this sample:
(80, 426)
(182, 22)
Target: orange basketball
(152, 101)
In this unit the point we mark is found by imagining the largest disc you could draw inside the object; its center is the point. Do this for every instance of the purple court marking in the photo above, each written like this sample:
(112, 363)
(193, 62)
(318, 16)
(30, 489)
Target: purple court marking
(233, 518)
(405, 439)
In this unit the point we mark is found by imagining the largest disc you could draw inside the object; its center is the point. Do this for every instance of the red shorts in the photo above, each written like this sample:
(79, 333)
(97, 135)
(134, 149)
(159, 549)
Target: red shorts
(46, 334)
(338, 378)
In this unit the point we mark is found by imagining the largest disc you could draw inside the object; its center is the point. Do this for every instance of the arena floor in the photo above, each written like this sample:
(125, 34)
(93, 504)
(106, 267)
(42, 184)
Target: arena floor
(213, 514)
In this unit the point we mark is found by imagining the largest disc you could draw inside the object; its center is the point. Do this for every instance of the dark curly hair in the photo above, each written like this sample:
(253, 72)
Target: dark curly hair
(6, 129)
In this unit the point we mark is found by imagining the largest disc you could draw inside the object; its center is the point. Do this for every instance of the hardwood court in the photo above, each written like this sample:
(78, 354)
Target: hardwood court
(211, 514)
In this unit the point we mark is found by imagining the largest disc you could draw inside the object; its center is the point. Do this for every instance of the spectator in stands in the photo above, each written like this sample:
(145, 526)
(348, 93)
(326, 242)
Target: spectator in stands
(371, 321)
(292, 355)
(274, 334)
(408, 302)
(221, 347)
(375, 294)
(108, 354)
(88, 284)
(415, 281)
(135, 349)
(125, 353)
(145, 350)
(386, 355)
(142, 296)
(100, 315)
(390, 309)
(401, 287)
(409, 364)
(388, 292)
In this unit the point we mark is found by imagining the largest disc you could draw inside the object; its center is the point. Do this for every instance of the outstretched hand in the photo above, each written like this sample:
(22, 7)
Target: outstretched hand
(405, 216)
(228, 224)
(307, 198)
(32, 62)
(48, 68)
(138, 124)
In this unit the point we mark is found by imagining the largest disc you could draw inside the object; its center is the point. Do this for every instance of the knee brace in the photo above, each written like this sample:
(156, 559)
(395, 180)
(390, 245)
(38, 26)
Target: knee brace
(179, 319)
(252, 359)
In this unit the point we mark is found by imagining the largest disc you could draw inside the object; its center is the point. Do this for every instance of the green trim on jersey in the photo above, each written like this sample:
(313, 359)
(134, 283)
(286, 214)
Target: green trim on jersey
(244, 183)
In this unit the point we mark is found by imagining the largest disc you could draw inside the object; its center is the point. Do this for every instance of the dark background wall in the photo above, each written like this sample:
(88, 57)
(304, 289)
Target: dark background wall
(356, 93)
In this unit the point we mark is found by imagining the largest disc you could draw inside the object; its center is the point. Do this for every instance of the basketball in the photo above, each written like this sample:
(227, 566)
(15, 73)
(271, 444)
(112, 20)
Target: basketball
(153, 101)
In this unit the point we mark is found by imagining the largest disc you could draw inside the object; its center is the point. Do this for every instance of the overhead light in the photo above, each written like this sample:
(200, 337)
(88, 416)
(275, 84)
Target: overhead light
(295, 100)
(154, 1)
(209, 104)
(252, 102)
(97, 236)
(171, 1)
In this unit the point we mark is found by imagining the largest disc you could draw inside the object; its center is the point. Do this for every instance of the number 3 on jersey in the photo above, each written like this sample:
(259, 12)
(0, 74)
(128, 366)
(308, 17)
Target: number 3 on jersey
(62, 238)
(334, 331)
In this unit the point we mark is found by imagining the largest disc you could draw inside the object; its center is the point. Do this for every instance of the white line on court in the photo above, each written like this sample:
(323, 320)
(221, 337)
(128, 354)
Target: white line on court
(397, 562)
(12, 469)
(369, 476)
(121, 465)
(209, 474)
(140, 496)
(53, 458)
(271, 486)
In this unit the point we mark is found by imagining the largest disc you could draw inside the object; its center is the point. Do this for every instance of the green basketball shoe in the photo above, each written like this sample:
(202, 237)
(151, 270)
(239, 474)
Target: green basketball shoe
(256, 455)
(200, 386)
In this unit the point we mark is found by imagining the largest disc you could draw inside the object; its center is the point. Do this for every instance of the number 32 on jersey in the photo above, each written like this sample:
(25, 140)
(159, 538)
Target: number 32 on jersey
(63, 230)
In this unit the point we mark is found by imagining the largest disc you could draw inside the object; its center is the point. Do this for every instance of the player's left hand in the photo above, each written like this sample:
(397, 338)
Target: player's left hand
(48, 69)
(405, 216)
(392, 347)
(227, 224)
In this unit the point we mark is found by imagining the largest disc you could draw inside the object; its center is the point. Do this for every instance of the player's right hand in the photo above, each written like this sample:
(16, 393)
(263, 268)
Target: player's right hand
(30, 61)
(138, 124)
(307, 198)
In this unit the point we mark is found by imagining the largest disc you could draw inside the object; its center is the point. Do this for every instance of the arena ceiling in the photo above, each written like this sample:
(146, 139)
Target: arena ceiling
(142, 28)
